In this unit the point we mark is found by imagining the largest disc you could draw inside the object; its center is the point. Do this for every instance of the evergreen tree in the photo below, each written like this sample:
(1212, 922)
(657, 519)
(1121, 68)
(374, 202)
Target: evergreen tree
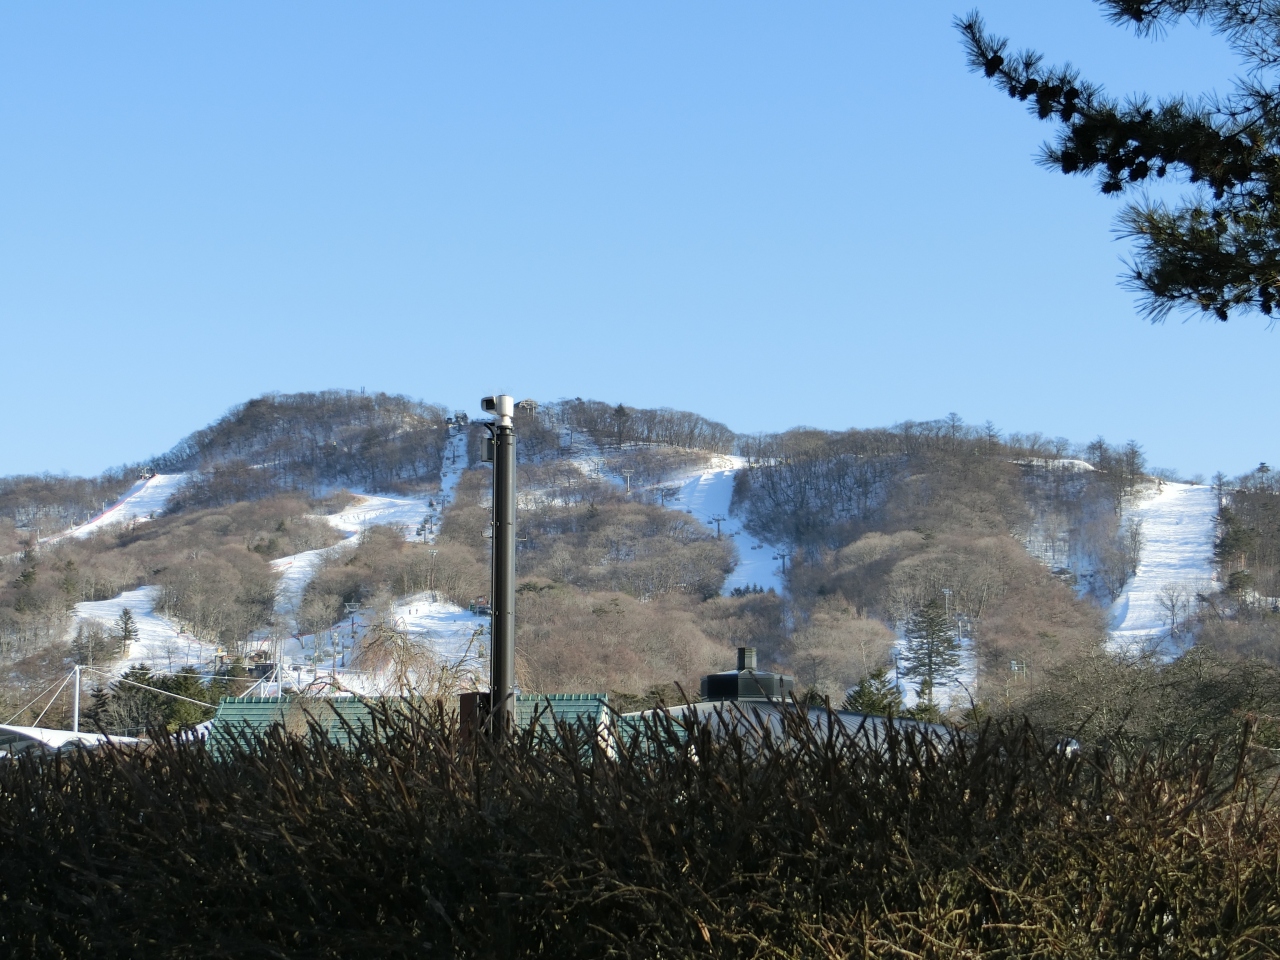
(876, 694)
(126, 631)
(925, 712)
(89, 646)
(132, 710)
(1218, 249)
(98, 714)
(931, 652)
(183, 713)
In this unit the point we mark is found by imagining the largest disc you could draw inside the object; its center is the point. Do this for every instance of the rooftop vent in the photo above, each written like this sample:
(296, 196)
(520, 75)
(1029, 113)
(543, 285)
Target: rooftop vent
(747, 683)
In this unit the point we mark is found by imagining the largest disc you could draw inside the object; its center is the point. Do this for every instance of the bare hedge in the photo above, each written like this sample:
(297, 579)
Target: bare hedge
(418, 842)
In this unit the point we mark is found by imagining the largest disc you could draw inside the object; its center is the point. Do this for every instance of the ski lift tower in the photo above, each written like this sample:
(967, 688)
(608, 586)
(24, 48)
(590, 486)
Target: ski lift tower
(351, 609)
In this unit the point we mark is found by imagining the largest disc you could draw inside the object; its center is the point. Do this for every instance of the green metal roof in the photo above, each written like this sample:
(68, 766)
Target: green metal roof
(238, 716)
(338, 716)
(588, 709)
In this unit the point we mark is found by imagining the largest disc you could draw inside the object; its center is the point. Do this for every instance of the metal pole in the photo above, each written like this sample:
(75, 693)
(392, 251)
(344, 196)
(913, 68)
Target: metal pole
(502, 659)
(75, 703)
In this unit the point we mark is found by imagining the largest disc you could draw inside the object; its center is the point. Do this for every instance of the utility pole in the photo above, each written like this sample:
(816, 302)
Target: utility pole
(351, 611)
(502, 656)
(75, 702)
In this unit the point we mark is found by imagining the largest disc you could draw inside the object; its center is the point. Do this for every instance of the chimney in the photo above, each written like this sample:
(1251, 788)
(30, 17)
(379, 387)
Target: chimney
(747, 683)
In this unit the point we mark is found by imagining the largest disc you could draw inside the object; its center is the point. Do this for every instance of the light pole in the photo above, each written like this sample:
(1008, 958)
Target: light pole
(75, 702)
(502, 659)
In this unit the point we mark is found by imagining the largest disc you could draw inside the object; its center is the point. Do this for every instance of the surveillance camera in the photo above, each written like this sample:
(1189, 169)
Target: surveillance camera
(501, 406)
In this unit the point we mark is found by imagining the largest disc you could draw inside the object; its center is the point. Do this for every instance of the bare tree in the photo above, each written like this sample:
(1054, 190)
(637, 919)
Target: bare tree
(405, 665)
(1175, 603)
(835, 648)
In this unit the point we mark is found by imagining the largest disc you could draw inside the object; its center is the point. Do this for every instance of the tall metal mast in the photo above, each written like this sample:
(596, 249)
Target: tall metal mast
(502, 658)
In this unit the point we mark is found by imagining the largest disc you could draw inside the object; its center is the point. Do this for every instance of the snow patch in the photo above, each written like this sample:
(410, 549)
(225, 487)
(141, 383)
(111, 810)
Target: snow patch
(1069, 466)
(324, 664)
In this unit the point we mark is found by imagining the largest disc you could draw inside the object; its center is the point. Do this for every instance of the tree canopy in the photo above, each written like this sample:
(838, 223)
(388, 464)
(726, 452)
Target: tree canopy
(1217, 249)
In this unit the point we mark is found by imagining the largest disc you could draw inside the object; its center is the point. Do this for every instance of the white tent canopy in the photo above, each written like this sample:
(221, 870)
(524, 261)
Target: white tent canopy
(16, 740)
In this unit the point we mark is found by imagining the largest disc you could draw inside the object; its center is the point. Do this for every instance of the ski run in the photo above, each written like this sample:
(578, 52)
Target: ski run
(705, 495)
(145, 500)
(1176, 564)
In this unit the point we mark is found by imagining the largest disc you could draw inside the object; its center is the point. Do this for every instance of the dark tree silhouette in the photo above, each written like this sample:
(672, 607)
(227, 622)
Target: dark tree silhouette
(1217, 250)
(931, 652)
(876, 694)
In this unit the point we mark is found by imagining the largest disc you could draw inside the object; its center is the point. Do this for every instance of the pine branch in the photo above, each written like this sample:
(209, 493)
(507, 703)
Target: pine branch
(1217, 251)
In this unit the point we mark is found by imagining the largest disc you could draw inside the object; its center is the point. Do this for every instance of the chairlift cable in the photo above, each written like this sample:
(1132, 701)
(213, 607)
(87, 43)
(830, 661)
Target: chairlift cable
(53, 698)
(37, 698)
(167, 693)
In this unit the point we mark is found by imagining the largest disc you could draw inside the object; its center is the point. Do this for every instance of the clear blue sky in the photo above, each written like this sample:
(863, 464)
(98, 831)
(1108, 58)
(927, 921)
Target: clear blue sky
(773, 214)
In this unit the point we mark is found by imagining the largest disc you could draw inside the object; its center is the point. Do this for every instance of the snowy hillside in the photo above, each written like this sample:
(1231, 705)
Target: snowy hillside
(324, 663)
(161, 644)
(146, 499)
(1178, 526)
(706, 495)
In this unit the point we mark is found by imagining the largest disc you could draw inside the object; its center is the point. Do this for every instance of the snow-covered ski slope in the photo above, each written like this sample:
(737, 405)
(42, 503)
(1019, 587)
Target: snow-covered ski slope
(161, 644)
(451, 631)
(329, 662)
(706, 495)
(1178, 528)
(145, 499)
(369, 510)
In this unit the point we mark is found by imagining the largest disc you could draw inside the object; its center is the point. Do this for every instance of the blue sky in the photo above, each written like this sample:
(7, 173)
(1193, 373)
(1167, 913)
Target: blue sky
(773, 214)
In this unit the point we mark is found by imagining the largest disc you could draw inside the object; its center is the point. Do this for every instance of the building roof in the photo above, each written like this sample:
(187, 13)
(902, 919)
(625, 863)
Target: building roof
(16, 740)
(546, 709)
(238, 717)
(339, 717)
(760, 717)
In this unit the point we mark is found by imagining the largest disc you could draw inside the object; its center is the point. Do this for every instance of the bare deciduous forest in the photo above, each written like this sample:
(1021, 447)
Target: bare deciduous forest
(310, 442)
